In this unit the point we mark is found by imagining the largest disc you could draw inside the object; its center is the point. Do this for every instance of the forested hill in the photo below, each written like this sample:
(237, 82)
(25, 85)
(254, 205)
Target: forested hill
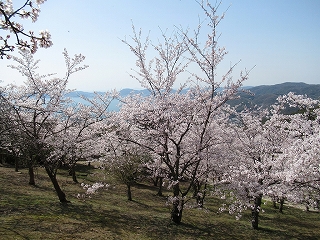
(265, 95)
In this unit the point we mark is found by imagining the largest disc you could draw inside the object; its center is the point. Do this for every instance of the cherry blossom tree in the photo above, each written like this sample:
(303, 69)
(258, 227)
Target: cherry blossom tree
(5, 128)
(213, 166)
(301, 159)
(177, 125)
(23, 39)
(38, 106)
(126, 163)
(80, 132)
(252, 163)
(262, 161)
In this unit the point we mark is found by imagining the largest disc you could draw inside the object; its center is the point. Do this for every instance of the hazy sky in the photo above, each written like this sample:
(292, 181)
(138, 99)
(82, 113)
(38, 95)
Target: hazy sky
(280, 37)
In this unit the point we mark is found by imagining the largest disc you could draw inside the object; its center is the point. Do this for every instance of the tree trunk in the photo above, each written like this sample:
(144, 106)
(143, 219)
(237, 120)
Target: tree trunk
(53, 178)
(274, 203)
(201, 196)
(129, 192)
(155, 182)
(74, 176)
(255, 212)
(281, 205)
(72, 172)
(31, 176)
(198, 194)
(177, 205)
(196, 188)
(199, 201)
(160, 186)
(16, 164)
(307, 208)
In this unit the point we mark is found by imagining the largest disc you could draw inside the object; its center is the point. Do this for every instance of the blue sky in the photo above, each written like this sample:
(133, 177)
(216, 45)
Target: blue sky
(279, 37)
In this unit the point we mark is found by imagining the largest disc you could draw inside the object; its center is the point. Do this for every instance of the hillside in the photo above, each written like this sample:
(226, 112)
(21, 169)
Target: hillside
(34, 212)
(265, 95)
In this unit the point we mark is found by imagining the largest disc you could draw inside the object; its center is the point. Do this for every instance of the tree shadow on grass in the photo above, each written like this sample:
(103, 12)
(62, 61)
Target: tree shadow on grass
(144, 186)
(288, 225)
(112, 220)
(146, 206)
(150, 225)
(14, 232)
(285, 233)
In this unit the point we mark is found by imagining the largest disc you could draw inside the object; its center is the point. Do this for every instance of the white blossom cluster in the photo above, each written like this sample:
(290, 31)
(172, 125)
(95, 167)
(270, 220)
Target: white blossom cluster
(91, 189)
(25, 40)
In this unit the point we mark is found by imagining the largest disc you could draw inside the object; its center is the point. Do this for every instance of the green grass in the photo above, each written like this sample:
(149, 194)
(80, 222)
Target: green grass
(34, 212)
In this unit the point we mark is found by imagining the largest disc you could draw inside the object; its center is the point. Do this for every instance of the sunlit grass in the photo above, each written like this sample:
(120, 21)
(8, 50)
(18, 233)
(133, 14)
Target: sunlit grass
(34, 212)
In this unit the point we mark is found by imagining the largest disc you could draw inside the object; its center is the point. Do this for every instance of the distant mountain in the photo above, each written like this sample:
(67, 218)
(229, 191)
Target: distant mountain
(77, 94)
(263, 95)
(127, 91)
(312, 90)
(123, 93)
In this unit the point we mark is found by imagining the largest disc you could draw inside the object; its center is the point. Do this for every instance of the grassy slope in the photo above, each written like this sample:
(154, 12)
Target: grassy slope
(28, 212)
